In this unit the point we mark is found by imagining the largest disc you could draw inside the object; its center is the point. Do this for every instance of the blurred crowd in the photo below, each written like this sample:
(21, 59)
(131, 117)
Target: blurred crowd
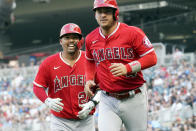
(172, 97)
(171, 94)
(19, 107)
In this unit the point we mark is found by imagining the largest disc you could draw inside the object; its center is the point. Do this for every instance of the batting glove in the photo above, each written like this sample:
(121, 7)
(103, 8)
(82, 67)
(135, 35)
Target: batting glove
(54, 104)
(86, 109)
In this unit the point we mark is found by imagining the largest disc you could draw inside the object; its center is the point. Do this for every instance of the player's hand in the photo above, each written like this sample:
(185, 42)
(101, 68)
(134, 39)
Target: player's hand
(87, 89)
(86, 109)
(118, 69)
(54, 104)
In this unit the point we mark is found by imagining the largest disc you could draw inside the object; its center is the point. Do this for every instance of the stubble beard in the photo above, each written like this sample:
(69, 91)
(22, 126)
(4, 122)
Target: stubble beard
(108, 26)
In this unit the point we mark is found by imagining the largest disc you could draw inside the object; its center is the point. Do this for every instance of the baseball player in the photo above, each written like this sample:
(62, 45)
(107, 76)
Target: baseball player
(117, 53)
(62, 74)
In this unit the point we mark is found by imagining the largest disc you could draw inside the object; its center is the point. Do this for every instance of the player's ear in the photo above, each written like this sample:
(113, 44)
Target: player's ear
(95, 15)
(60, 41)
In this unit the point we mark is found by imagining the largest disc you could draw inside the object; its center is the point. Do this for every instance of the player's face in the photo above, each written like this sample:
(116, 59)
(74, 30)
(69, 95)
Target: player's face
(69, 43)
(104, 17)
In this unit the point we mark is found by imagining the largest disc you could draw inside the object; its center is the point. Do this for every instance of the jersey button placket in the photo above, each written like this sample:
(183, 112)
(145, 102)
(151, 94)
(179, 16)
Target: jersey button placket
(108, 63)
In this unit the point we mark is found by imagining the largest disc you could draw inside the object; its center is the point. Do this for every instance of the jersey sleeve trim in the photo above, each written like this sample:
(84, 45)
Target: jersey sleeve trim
(38, 85)
(147, 52)
(88, 58)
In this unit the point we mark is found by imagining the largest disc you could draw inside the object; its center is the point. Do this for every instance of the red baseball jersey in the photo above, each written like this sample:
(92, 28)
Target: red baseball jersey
(65, 82)
(124, 45)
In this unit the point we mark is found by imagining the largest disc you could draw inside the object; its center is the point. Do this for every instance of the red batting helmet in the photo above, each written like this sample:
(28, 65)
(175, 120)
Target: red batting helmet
(107, 3)
(72, 28)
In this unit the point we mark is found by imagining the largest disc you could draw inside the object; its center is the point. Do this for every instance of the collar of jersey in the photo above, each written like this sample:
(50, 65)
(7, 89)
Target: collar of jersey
(111, 33)
(60, 55)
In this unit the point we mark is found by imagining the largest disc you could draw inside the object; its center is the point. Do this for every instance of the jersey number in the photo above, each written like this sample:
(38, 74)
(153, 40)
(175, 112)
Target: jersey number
(82, 98)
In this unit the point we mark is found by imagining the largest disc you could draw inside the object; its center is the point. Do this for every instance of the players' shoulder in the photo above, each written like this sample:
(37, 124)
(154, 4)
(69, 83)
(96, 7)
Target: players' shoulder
(136, 30)
(51, 58)
(92, 34)
(82, 56)
(130, 28)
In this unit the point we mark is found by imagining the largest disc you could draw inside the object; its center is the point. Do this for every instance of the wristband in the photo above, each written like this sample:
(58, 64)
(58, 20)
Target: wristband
(135, 66)
(96, 98)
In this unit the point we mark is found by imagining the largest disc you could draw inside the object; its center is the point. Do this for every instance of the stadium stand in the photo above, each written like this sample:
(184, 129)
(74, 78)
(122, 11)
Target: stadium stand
(171, 92)
(171, 84)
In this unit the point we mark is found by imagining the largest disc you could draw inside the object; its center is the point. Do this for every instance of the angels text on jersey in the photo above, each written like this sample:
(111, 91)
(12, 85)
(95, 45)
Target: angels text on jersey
(113, 53)
(68, 81)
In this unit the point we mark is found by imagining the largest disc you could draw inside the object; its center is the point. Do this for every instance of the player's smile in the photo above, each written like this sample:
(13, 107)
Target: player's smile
(71, 46)
(69, 42)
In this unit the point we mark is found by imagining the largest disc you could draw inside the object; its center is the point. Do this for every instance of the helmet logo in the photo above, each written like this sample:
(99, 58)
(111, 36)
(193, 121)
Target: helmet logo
(72, 27)
(106, 3)
(100, 1)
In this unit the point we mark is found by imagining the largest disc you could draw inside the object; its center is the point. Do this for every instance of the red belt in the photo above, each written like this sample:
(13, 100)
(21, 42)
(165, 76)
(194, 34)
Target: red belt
(124, 95)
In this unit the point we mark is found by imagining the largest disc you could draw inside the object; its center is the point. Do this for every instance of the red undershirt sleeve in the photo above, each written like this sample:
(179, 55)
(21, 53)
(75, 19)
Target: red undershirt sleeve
(40, 93)
(90, 69)
(148, 60)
